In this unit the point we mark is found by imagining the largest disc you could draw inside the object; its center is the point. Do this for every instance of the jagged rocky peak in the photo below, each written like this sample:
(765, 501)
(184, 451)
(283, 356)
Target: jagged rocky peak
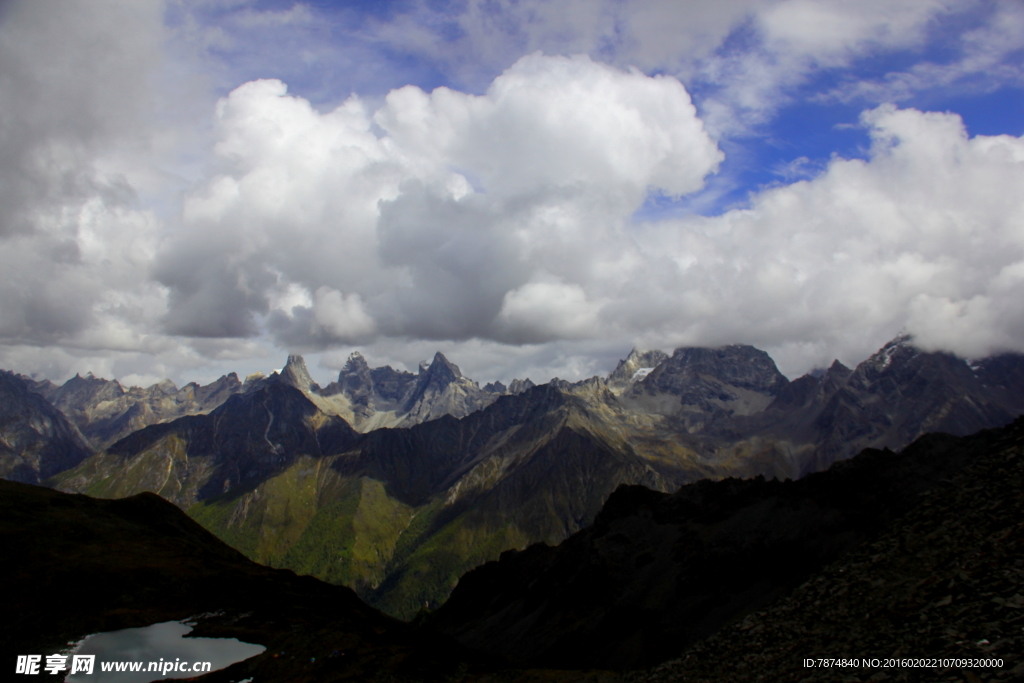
(228, 380)
(634, 367)
(219, 390)
(898, 358)
(837, 369)
(495, 387)
(79, 390)
(355, 378)
(899, 350)
(355, 365)
(165, 387)
(433, 379)
(252, 381)
(738, 365)
(441, 389)
(442, 370)
(296, 374)
(837, 373)
(518, 386)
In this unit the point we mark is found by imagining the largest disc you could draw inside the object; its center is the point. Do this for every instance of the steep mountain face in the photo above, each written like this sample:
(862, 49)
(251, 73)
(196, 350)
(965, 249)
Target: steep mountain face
(657, 572)
(36, 441)
(518, 386)
(106, 565)
(633, 368)
(404, 512)
(442, 390)
(248, 439)
(697, 387)
(104, 412)
(297, 375)
(892, 398)
(355, 381)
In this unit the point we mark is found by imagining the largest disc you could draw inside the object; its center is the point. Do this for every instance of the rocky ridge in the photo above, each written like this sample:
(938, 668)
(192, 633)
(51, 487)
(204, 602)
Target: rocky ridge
(945, 582)
(634, 367)
(105, 412)
(375, 398)
(240, 444)
(657, 572)
(36, 440)
(732, 404)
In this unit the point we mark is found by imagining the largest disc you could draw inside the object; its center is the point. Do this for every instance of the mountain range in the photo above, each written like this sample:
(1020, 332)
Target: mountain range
(396, 484)
(104, 411)
(915, 556)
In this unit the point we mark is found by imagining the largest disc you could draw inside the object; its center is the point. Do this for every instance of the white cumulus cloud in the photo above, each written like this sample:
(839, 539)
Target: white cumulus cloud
(926, 235)
(433, 214)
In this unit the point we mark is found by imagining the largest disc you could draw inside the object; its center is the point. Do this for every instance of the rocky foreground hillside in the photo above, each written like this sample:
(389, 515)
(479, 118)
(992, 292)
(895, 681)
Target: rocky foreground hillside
(657, 572)
(945, 582)
(86, 566)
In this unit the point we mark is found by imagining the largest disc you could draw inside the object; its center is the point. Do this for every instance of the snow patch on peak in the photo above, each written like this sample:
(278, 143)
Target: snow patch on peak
(884, 357)
(640, 374)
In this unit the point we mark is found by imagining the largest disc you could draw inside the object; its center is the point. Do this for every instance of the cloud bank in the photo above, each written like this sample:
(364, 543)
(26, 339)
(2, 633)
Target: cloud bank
(497, 220)
(507, 217)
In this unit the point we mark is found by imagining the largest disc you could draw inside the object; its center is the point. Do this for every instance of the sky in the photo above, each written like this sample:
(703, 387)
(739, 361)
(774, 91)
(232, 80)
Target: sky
(190, 188)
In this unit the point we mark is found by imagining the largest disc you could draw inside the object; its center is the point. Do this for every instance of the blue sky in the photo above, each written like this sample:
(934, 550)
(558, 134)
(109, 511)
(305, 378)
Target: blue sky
(532, 187)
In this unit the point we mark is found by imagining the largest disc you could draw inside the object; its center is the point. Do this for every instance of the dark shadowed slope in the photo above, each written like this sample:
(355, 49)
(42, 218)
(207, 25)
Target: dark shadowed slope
(946, 582)
(250, 437)
(657, 572)
(75, 565)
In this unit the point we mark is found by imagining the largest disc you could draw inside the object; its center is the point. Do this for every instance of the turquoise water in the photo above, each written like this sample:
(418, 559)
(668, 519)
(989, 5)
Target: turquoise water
(154, 643)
